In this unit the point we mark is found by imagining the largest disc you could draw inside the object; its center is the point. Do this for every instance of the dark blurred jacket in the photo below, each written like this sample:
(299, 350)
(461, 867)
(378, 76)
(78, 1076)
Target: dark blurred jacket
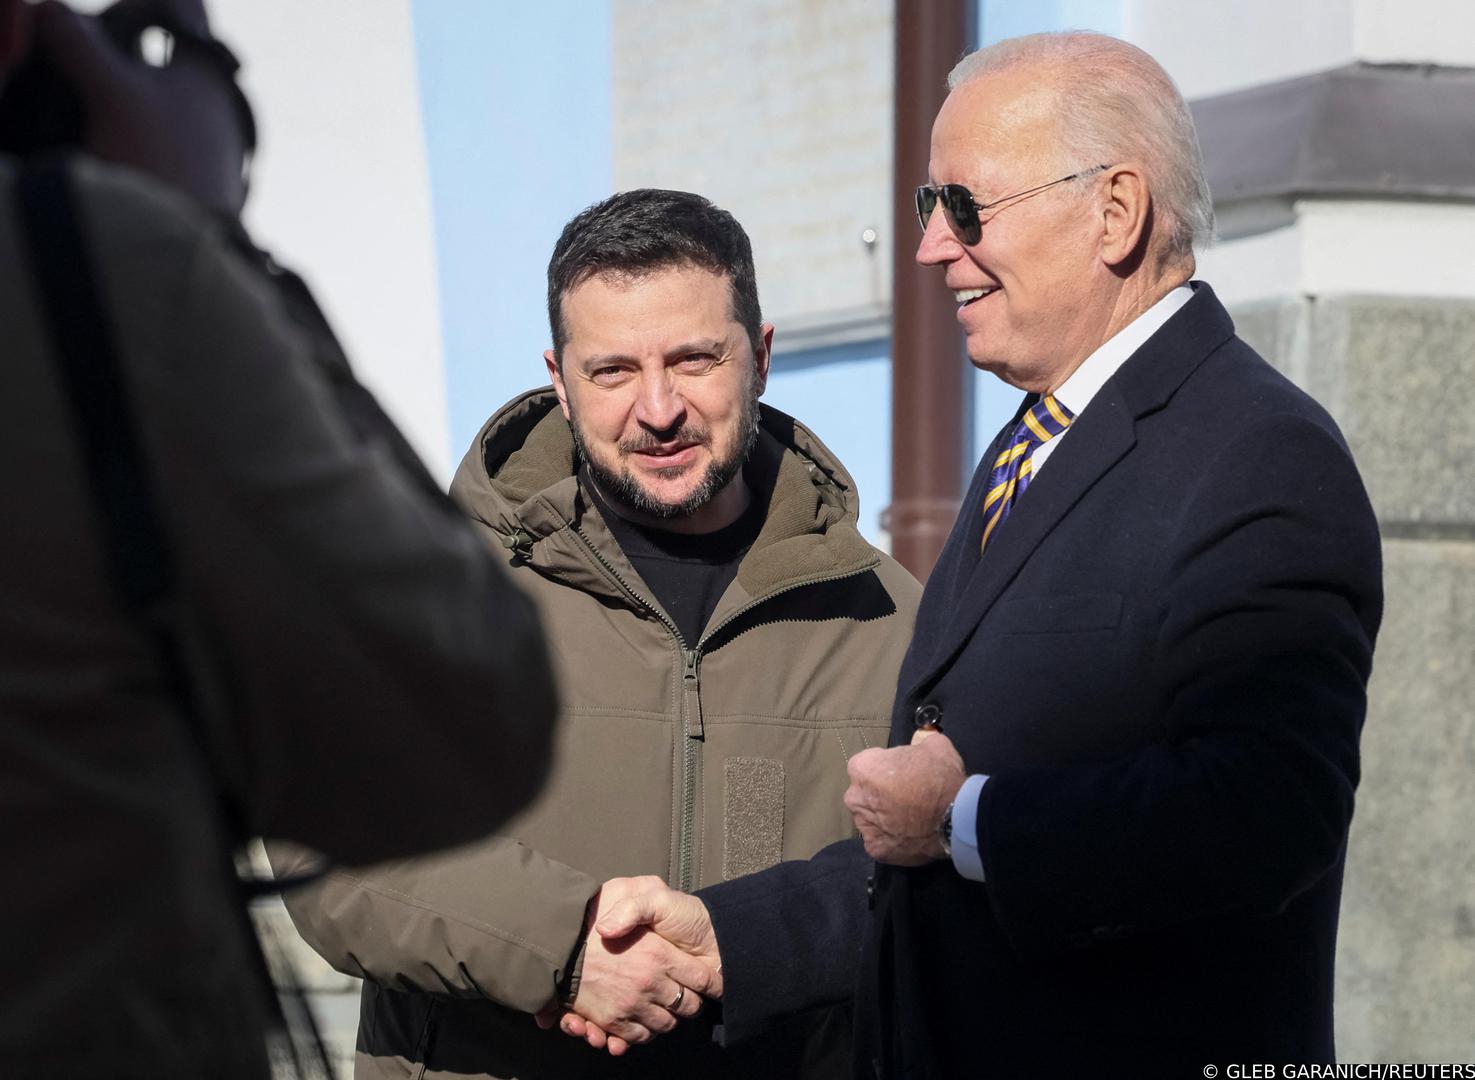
(363, 639)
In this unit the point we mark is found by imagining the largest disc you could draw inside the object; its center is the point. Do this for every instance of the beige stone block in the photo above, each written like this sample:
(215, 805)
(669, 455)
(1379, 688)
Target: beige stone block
(1398, 374)
(1406, 951)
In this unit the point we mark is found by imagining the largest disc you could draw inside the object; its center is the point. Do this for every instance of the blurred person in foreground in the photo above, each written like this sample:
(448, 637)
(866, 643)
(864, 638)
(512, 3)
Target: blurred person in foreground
(725, 640)
(1113, 817)
(339, 625)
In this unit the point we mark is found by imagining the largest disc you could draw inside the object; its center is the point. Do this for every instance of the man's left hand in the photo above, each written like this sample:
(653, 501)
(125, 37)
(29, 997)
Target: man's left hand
(898, 796)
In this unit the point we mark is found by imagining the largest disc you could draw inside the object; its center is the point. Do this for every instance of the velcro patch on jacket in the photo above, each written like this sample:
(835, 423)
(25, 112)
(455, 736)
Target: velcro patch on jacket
(753, 818)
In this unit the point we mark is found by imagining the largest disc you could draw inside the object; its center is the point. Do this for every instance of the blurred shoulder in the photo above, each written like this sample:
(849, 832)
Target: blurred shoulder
(146, 241)
(129, 208)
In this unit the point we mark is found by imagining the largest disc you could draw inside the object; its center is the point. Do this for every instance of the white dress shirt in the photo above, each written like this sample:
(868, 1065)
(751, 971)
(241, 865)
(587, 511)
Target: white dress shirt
(1075, 394)
(1078, 390)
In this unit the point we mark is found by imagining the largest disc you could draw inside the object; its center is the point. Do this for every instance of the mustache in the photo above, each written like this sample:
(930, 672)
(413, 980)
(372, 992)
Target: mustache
(646, 440)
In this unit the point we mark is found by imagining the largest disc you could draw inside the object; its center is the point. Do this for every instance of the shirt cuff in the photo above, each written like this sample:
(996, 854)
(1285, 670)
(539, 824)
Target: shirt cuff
(965, 828)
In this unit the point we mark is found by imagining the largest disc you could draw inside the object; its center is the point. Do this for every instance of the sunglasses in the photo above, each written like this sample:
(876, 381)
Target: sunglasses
(962, 209)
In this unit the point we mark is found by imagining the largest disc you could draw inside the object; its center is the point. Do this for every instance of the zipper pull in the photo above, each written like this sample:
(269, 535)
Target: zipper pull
(691, 682)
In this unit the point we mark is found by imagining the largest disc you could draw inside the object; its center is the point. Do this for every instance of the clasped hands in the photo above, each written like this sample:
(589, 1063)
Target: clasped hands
(650, 953)
(650, 958)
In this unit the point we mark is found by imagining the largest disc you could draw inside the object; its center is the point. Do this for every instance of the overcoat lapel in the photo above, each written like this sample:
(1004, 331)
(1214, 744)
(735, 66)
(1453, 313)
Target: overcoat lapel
(1099, 439)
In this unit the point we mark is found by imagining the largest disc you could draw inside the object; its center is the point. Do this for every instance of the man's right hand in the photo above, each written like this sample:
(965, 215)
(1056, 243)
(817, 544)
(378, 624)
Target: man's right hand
(649, 959)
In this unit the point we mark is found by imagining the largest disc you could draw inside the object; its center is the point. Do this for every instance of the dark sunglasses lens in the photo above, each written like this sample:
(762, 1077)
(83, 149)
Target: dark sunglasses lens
(958, 202)
(926, 203)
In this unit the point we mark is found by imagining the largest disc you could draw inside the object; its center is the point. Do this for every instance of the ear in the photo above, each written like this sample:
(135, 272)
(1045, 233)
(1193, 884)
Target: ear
(763, 359)
(556, 377)
(1124, 213)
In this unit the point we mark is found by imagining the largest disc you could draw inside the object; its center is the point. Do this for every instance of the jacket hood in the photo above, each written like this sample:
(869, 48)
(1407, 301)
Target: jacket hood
(518, 478)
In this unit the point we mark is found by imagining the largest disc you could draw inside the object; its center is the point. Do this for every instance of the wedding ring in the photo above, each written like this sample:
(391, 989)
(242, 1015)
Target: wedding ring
(680, 995)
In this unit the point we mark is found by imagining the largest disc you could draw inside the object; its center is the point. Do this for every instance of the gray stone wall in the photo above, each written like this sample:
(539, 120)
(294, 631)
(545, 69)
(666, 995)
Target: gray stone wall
(1406, 978)
(1399, 376)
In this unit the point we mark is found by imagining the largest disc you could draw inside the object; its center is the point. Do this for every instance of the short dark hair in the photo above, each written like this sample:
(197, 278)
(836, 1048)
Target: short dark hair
(636, 232)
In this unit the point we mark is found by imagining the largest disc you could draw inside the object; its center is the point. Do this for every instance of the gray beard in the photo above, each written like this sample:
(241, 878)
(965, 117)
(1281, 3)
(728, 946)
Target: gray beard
(622, 487)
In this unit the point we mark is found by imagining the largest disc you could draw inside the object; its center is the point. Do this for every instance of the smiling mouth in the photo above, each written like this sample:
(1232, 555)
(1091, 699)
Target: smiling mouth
(967, 296)
(661, 453)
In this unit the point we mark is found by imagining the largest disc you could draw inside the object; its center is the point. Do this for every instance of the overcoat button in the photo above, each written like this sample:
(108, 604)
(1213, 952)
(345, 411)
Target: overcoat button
(928, 717)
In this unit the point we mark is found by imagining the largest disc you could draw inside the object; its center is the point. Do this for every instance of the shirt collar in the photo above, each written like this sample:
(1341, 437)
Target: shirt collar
(1078, 390)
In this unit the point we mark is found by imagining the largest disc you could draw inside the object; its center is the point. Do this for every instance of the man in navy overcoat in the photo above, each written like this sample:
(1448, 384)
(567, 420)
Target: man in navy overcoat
(1113, 818)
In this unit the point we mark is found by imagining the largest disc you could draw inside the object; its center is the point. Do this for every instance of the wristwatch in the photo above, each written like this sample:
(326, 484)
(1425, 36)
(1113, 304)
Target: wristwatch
(945, 831)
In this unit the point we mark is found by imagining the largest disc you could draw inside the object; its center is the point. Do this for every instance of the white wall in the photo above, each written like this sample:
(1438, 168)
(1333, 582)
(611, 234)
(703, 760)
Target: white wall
(340, 192)
(1351, 246)
(1416, 31)
(1213, 47)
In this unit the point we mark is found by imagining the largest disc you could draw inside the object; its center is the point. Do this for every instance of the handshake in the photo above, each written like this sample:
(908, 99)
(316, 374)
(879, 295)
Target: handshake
(650, 953)
(649, 959)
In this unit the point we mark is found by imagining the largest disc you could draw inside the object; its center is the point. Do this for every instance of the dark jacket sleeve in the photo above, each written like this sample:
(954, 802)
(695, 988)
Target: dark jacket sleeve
(1263, 654)
(790, 937)
(386, 684)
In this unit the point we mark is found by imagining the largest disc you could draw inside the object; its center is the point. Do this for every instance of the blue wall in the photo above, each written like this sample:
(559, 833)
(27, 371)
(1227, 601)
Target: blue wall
(999, 19)
(516, 107)
(843, 395)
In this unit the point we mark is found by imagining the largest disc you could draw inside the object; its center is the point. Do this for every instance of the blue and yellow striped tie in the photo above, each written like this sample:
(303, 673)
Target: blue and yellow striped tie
(1013, 468)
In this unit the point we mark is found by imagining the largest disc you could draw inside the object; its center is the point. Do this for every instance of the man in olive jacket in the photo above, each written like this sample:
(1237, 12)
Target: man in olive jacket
(724, 638)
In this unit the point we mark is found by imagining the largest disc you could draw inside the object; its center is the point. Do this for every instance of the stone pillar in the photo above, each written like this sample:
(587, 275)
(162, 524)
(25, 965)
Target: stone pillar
(1398, 373)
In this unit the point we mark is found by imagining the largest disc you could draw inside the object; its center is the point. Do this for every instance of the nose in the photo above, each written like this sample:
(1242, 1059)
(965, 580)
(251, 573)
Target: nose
(939, 245)
(660, 407)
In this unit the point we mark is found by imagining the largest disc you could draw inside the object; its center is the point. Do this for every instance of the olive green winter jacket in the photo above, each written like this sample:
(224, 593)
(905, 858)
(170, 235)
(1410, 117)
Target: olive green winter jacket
(696, 761)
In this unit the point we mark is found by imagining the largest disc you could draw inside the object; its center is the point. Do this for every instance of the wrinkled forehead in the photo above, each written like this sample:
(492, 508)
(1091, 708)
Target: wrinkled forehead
(995, 125)
(677, 302)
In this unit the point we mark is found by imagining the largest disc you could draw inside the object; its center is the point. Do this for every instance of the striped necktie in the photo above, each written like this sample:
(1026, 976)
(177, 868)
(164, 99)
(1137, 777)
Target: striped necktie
(1013, 468)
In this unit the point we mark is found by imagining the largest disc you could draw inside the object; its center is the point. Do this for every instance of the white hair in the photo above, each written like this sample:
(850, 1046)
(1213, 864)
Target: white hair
(1115, 103)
